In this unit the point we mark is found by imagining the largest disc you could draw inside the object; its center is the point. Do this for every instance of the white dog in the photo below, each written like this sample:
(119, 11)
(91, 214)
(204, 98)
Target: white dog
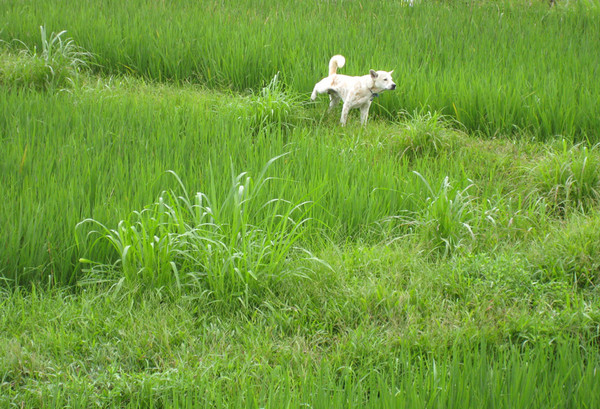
(356, 92)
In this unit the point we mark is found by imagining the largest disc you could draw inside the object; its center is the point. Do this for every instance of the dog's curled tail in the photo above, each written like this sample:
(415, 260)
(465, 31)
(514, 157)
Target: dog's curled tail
(337, 61)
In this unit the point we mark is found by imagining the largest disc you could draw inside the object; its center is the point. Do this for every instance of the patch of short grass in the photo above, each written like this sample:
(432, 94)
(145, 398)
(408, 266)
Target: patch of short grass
(381, 321)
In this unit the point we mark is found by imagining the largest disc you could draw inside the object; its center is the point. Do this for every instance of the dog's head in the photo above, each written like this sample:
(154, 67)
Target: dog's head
(382, 80)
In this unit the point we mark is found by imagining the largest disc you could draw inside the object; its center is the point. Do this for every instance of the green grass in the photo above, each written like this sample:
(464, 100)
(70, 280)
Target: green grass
(569, 179)
(57, 66)
(394, 253)
(105, 150)
(181, 227)
(232, 250)
(118, 350)
(496, 66)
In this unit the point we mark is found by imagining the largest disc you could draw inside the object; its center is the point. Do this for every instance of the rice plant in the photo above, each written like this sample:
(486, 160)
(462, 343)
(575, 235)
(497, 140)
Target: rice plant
(488, 64)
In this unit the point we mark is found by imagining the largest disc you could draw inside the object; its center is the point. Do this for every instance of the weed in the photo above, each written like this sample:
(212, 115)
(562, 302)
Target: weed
(570, 253)
(569, 179)
(447, 216)
(273, 105)
(234, 249)
(56, 66)
(425, 133)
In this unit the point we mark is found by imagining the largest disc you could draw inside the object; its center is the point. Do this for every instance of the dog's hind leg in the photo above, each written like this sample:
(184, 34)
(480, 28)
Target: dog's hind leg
(320, 87)
(313, 96)
(345, 110)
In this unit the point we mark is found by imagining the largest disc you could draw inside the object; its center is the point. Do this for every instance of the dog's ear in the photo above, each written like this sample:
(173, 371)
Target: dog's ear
(391, 72)
(373, 73)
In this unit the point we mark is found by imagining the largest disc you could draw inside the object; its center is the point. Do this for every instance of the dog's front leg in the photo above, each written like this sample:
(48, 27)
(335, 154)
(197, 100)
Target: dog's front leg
(345, 110)
(364, 113)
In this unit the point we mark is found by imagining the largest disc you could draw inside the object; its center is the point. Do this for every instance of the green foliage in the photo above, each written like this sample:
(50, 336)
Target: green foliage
(89, 350)
(569, 179)
(273, 105)
(495, 66)
(90, 140)
(443, 269)
(447, 216)
(571, 252)
(23, 70)
(234, 249)
(55, 67)
(62, 54)
(425, 133)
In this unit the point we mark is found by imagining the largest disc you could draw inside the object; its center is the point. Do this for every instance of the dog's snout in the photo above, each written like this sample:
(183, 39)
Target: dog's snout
(393, 86)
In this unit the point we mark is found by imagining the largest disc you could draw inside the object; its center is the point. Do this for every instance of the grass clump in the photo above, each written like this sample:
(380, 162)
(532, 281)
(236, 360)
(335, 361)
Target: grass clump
(273, 105)
(570, 252)
(23, 70)
(570, 178)
(447, 217)
(425, 133)
(56, 66)
(233, 250)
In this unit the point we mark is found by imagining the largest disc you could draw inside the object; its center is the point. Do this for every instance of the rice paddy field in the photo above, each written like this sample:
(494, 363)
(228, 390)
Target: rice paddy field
(181, 227)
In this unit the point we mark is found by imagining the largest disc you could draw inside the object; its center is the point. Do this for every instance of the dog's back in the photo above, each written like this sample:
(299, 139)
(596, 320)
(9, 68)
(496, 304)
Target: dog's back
(337, 61)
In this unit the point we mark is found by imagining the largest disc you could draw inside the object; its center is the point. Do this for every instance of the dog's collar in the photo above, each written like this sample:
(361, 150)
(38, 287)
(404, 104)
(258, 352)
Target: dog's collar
(373, 94)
